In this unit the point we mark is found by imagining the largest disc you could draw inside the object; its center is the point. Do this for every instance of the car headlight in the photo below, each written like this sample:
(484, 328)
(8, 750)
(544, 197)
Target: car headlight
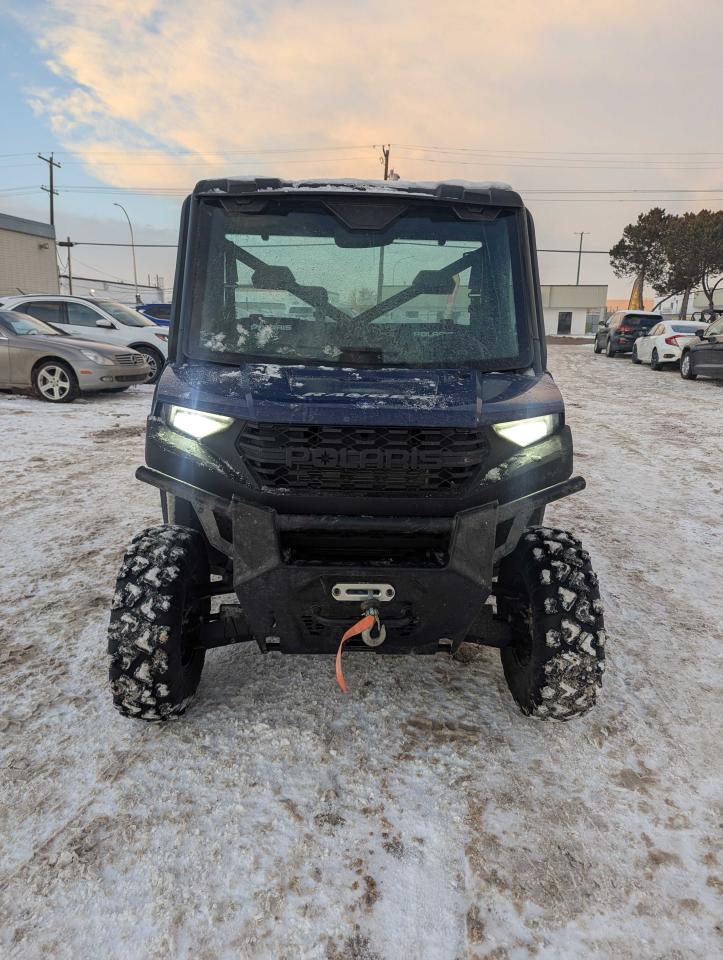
(196, 423)
(161, 336)
(98, 358)
(527, 431)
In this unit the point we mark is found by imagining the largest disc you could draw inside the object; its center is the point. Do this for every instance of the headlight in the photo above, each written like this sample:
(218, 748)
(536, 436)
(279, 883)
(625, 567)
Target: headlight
(527, 431)
(98, 358)
(196, 423)
(162, 336)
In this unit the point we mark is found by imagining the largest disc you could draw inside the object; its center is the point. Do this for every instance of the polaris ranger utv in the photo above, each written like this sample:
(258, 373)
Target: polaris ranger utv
(356, 421)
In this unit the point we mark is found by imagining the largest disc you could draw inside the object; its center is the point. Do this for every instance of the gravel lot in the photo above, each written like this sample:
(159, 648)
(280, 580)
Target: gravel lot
(420, 818)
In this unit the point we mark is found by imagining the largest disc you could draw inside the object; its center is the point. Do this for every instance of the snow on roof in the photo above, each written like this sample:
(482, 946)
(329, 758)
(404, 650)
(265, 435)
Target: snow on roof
(405, 185)
(447, 189)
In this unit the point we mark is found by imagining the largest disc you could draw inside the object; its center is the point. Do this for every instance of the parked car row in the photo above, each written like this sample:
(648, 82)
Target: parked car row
(93, 318)
(63, 346)
(648, 338)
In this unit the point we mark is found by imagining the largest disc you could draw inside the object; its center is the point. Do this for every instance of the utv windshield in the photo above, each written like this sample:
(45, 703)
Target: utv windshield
(355, 283)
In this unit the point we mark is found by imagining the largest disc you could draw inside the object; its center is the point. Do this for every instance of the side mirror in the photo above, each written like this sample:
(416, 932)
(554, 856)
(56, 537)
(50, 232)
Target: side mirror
(102, 322)
(700, 334)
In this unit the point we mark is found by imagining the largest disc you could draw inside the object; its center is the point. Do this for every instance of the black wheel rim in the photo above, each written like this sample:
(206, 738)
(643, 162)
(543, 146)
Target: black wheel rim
(520, 620)
(190, 630)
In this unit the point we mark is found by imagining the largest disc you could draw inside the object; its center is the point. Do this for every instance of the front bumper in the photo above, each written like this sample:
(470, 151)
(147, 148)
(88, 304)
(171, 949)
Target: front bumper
(286, 593)
(93, 377)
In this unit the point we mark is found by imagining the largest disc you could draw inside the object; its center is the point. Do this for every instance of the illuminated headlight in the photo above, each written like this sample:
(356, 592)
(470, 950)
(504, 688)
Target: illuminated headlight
(530, 430)
(196, 423)
(97, 358)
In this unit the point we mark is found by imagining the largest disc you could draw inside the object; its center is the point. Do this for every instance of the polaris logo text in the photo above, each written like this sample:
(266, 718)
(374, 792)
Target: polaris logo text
(333, 458)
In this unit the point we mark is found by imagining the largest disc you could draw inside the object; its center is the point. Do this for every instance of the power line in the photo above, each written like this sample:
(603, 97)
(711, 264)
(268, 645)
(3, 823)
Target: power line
(564, 153)
(551, 166)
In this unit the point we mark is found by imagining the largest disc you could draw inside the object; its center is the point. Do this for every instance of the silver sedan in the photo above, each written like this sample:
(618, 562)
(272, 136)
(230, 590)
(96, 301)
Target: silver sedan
(58, 367)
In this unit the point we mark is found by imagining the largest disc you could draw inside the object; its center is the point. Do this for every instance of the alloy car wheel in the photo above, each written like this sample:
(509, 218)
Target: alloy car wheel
(56, 383)
(153, 360)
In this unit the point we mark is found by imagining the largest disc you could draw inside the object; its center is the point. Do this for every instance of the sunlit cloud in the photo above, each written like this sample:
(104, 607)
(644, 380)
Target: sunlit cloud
(230, 76)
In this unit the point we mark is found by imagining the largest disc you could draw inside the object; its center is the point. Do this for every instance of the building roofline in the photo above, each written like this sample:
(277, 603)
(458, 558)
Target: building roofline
(34, 228)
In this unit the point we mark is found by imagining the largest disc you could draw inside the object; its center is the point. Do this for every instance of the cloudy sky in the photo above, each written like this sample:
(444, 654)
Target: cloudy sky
(594, 110)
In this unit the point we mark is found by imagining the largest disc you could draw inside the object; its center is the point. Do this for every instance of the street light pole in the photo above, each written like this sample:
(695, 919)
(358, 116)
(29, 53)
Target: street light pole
(394, 269)
(133, 249)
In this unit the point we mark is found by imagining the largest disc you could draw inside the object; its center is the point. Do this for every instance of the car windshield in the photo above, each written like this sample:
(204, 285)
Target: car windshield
(295, 282)
(24, 326)
(124, 314)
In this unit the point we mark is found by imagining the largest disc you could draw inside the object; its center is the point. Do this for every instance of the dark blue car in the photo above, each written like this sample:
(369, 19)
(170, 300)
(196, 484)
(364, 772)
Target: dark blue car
(160, 313)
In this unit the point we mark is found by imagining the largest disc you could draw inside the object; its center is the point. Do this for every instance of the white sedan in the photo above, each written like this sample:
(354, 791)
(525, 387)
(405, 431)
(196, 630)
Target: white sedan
(664, 343)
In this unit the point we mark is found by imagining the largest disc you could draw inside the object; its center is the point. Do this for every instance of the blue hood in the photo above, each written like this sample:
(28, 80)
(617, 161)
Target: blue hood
(359, 396)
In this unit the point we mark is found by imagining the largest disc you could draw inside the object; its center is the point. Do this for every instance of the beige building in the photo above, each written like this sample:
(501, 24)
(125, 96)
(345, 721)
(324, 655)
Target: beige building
(27, 257)
(572, 309)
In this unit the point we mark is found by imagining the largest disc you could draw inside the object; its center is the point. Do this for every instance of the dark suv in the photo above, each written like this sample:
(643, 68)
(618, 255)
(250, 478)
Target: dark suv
(622, 329)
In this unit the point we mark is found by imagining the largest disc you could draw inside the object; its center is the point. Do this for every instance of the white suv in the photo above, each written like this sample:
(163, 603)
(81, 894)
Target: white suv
(97, 319)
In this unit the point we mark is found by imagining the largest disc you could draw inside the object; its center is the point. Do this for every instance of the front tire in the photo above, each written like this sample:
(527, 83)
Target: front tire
(155, 623)
(610, 350)
(655, 363)
(596, 347)
(55, 382)
(155, 361)
(634, 356)
(548, 592)
(686, 367)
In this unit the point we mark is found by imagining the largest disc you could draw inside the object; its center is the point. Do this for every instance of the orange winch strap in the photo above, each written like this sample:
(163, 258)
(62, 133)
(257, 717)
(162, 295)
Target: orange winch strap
(366, 623)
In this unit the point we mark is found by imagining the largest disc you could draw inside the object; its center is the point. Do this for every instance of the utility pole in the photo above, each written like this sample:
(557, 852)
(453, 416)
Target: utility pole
(51, 189)
(380, 280)
(133, 249)
(385, 159)
(67, 243)
(581, 234)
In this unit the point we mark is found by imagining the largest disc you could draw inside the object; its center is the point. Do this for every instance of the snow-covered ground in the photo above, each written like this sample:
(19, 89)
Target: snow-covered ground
(421, 817)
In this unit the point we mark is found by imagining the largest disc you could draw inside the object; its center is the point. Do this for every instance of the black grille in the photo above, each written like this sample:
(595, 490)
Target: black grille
(376, 460)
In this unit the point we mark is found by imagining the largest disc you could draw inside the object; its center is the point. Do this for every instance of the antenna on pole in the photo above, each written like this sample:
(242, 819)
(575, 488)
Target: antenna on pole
(51, 189)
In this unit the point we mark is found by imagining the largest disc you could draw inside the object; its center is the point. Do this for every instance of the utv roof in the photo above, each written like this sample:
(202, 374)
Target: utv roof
(465, 191)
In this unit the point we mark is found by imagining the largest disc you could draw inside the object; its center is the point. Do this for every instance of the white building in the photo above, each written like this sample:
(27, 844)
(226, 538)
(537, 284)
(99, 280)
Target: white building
(28, 262)
(573, 310)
